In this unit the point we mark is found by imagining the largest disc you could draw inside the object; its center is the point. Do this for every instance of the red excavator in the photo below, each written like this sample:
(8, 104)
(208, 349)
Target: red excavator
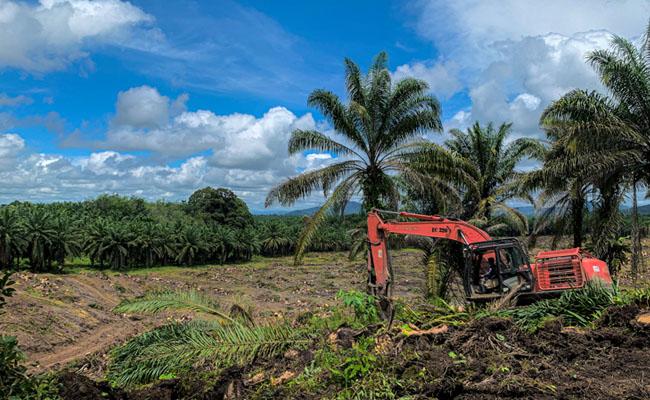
(492, 268)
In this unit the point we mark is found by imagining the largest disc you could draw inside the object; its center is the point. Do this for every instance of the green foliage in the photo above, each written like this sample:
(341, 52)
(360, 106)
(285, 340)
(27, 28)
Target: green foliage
(220, 206)
(178, 347)
(376, 385)
(580, 307)
(363, 304)
(122, 233)
(14, 381)
(192, 300)
(358, 363)
(616, 252)
(379, 132)
(5, 289)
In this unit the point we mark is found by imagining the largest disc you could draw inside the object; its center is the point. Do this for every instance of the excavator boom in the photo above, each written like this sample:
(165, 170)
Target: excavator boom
(427, 225)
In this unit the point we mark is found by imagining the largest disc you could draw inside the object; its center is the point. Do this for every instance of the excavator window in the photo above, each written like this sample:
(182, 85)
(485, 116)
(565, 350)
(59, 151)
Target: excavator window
(496, 269)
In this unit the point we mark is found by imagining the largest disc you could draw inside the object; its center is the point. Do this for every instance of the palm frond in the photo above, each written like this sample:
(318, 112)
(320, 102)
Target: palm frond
(308, 232)
(175, 348)
(156, 302)
(302, 140)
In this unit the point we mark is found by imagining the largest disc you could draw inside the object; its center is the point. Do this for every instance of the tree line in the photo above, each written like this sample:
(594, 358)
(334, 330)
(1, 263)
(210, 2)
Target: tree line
(213, 226)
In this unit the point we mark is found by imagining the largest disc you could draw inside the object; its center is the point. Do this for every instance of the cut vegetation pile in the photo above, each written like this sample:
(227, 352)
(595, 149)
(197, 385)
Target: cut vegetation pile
(592, 343)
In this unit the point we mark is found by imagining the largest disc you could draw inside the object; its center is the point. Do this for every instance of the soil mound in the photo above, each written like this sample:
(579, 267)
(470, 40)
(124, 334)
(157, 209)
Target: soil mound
(488, 358)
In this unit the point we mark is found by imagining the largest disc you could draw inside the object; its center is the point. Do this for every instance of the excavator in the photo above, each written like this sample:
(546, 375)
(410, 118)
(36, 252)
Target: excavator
(492, 268)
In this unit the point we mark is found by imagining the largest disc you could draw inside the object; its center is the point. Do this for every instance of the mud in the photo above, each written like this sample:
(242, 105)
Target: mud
(67, 318)
(489, 358)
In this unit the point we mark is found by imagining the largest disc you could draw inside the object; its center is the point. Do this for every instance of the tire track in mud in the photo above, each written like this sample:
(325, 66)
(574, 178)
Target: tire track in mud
(84, 282)
(100, 339)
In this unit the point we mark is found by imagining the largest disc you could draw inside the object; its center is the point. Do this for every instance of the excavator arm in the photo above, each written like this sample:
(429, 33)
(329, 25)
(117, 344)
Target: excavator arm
(427, 225)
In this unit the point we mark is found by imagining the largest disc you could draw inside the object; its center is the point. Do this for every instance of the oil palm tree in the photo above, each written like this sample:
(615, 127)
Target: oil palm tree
(39, 234)
(376, 133)
(491, 162)
(12, 241)
(562, 201)
(608, 136)
(67, 240)
(116, 244)
(190, 245)
(93, 244)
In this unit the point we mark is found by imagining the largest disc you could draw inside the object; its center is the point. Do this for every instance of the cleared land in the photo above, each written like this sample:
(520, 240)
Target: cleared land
(67, 319)
(64, 318)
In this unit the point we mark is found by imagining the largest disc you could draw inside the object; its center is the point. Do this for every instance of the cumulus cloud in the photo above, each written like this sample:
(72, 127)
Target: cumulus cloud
(11, 145)
(529, 74)
(145, 120)
(144, 107)
(54, 33)
(518, 56)
(155, 147)
(442, 78)
(470, 26)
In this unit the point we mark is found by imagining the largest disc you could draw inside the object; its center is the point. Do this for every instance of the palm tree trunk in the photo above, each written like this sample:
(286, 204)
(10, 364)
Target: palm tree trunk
(636, 237)
(577, 215)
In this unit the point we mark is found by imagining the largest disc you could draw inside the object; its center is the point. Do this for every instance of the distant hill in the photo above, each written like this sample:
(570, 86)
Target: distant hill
(352, 207)
(643, 210)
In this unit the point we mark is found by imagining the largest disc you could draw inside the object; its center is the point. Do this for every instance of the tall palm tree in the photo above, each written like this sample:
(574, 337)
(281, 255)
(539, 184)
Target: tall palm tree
(116, 244)
(491, 162)
(376, 133)
(39, 234)
(609, 135)
(66, 241)
(562, 201)
(190, 244)
(12, 241)
(94, 237)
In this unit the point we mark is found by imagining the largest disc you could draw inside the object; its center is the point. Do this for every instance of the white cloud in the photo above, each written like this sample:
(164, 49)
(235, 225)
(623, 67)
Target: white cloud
(149, 151)
(529, 74)
(8, 101)
(517, 56)
(441, 77)
(471, 26)
(54, 33)
(145, 120)
(144, 107)
(11, 145)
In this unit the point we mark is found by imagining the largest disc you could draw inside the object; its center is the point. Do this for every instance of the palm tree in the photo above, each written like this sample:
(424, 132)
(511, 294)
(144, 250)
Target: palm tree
(276, 240)
(94, 238)
(148, 242)
(609, 136)
(189, 245)
(562, 203)
(221, 242)
(39, 234)
(116, 244)
(66, 241)
(12, 241)
(222, 339)
(490, 161)
(377, 131)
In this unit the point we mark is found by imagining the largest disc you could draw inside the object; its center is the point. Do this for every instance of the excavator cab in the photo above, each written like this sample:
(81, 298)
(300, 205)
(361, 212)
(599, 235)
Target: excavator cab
(496, 268)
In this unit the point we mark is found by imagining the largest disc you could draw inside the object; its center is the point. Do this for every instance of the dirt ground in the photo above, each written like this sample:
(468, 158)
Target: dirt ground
(489, 359)
(65, 318)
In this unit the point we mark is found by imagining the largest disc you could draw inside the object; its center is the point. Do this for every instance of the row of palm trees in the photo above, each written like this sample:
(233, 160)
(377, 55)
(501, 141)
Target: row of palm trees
(597, 152)
(43, 237)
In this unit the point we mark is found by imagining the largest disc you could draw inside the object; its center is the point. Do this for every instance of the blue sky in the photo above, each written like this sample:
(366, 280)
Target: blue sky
(157, 99)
